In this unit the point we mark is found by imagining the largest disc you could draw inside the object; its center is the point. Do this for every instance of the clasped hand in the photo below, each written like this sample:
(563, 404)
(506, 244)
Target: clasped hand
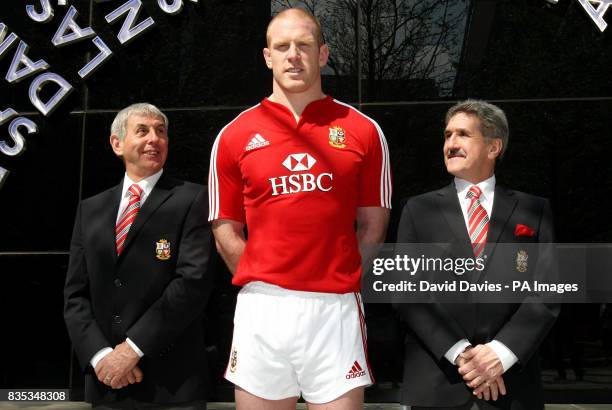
(482, 371)
(119, 368)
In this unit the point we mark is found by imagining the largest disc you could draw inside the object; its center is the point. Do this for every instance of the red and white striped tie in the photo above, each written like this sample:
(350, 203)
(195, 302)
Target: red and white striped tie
(128, 216)
(478, 221)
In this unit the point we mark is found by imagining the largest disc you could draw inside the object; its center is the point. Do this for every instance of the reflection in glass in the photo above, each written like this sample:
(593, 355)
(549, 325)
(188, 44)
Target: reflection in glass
(408, 48)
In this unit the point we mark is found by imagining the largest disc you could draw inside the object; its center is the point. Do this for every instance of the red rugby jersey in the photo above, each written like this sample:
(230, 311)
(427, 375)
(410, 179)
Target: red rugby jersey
(297, 186)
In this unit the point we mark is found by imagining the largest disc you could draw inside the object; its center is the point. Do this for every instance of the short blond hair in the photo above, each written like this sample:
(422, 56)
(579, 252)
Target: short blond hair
(302, 12)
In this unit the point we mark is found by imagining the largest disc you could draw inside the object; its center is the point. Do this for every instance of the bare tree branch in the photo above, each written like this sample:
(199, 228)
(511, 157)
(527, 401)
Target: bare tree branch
(401, 40)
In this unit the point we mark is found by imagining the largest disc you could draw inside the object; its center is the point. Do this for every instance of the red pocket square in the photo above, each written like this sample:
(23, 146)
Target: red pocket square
(523, 230)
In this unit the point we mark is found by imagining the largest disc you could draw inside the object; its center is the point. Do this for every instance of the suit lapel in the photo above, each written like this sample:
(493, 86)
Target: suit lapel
(160, 193)
(504, 204)
(110, 217)
(449, 206)
(448, 202)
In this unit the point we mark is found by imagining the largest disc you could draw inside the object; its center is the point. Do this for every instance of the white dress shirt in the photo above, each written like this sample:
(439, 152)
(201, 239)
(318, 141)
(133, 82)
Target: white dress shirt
(487, 187)
(147, 186)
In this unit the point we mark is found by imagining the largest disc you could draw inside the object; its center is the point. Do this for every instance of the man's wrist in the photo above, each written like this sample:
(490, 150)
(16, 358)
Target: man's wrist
(453, 353)
(99, 356)
(506, 357)
(134, 348)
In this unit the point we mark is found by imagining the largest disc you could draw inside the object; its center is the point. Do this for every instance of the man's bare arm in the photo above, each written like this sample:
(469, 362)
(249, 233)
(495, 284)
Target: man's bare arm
(371, 230)
(230, 241)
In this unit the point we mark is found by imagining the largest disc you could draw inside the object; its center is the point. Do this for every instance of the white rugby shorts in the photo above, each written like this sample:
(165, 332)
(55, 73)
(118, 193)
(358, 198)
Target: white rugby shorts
(288, 343)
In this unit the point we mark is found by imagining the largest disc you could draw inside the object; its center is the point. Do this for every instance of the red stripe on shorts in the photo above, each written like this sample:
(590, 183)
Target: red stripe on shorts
(363, 335)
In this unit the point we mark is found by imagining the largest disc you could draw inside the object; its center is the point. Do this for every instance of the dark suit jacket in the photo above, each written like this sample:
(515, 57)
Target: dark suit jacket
(433, 328)
(157, 303)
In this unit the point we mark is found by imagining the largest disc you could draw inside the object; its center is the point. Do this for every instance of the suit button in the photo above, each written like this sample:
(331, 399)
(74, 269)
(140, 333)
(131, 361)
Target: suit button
(118, 283)
(116, 319)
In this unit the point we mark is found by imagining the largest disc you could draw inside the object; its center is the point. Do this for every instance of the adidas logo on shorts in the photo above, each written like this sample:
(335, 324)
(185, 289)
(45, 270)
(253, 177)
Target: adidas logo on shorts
(257, 142)
(356, 371)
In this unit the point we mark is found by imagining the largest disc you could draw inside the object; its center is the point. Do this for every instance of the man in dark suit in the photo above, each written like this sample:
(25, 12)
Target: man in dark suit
(137, 281)
(469, 355)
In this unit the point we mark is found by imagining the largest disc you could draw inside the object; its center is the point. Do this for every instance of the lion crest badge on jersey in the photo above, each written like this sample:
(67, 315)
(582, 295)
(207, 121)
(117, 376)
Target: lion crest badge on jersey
(162, 250)
(233, 360)
(337, 137)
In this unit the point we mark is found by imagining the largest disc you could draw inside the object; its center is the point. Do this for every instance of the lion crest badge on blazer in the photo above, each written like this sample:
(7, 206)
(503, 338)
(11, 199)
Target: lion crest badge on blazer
(163, 250)
(522, 259)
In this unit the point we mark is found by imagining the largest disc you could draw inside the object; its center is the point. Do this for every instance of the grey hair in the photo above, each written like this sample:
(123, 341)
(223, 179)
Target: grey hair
(493, 121)
(119, 126)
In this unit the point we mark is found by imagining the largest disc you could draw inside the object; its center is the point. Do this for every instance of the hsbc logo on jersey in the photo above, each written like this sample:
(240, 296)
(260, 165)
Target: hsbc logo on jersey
(304, 182)
(299, 162)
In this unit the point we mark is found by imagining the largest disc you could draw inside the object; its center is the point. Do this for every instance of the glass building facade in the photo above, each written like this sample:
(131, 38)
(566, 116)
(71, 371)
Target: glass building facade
(403, 63)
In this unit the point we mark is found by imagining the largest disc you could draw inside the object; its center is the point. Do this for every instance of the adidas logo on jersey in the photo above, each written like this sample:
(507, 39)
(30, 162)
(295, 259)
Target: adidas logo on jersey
(256, 142)
(356, 371)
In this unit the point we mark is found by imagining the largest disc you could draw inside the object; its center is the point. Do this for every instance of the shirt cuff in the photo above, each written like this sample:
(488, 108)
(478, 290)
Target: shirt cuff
(456, 350)
(506, 357)
(99, 356)
(133, 346)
